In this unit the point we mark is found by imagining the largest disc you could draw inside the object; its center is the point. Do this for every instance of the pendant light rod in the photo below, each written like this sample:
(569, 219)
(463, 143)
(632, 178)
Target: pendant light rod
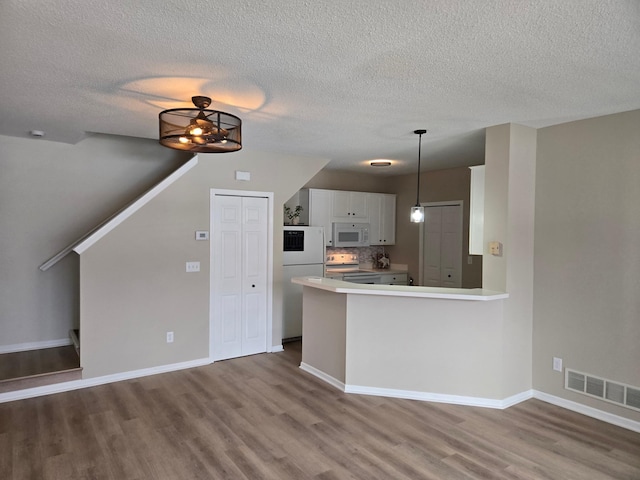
(419, 132)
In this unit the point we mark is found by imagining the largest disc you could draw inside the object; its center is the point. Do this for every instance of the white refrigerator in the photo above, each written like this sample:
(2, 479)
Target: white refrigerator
(303, 256)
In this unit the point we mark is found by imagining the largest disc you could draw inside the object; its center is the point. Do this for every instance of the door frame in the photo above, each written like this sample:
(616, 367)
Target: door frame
(452, 203)
(244, 193)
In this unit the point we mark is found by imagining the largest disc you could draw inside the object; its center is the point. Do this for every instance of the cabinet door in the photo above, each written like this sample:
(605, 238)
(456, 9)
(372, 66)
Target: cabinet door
(374, 205)
(394, 279)
(358, 202)
(320, 210)
(349, 206)
(388, 218)
(382, 218)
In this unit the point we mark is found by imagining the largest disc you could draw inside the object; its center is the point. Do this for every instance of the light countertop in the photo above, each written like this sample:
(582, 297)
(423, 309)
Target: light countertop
(338, 286)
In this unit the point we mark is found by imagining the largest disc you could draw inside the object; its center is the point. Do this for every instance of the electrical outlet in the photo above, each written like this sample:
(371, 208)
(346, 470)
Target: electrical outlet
(169, 337)
(557, 364)
(193, 267)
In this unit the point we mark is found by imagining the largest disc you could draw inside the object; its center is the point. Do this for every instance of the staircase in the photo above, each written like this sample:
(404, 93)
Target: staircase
(37, 368)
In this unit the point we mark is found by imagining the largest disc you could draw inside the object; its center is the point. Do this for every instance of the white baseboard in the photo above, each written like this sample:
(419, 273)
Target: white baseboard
(322, 376)
(441, 398)
(588, 411)
(25, 347)
(92, 382)
(277, 348)
(423, 396)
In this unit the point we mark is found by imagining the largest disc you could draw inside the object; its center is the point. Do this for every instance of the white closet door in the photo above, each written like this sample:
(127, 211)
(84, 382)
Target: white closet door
(451, 246)
(432, 241)
(239, 236)
(442, 246)
(254, 281)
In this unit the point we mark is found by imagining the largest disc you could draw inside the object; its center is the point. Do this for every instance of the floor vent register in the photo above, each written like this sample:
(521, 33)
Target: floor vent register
(607, 390)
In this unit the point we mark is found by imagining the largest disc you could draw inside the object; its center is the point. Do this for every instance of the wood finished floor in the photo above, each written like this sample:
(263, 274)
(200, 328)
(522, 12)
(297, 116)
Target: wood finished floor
(261, 417)
(37, 362)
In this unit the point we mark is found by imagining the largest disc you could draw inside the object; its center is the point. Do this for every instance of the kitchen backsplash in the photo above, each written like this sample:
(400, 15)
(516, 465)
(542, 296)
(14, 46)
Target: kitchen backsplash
(366, 255)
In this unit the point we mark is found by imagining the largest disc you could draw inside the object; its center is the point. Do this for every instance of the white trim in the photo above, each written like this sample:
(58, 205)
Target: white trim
(441, 398)
(134, 207)
(276, 348)
(322, 376)
(25, 347)
(588, 411)
(270, 218)
(87, 240)
(421, 396)
(140, 202)
(92, 382)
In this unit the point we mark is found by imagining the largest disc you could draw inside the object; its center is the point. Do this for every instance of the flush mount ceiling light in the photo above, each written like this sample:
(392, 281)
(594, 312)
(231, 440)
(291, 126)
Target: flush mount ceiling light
(380, 163)
(417, 212)
(200, 130)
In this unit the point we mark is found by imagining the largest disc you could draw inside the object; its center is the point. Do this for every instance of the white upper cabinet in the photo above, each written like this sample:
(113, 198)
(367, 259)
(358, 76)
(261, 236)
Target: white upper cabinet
(320, 211)
(350, 206)
(382, 218)
(476, 211)
(325, 207)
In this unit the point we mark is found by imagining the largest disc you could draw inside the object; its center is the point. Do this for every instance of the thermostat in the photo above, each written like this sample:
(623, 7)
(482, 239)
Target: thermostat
(202, 235)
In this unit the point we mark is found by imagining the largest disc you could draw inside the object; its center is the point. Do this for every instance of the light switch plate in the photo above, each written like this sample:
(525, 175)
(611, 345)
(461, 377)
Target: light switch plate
(202, 235)
(495, 248)
(557, 364)
(193, 267)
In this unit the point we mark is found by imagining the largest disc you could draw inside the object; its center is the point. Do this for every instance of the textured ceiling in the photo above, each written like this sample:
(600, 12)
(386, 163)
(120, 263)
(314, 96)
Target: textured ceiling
(346, 80)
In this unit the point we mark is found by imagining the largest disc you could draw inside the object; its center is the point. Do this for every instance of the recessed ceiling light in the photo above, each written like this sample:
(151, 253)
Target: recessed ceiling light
(380, 163)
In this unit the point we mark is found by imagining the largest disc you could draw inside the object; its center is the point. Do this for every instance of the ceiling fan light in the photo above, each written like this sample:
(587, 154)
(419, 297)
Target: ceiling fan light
(199, 129)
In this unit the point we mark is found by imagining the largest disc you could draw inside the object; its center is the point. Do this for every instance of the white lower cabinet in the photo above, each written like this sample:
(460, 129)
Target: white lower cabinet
(394, 279)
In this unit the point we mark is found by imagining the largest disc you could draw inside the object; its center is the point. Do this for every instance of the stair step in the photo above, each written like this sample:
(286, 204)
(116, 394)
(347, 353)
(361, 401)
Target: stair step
(13, 384)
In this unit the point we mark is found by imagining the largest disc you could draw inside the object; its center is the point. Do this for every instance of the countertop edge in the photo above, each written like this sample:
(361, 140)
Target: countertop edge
(338, 286)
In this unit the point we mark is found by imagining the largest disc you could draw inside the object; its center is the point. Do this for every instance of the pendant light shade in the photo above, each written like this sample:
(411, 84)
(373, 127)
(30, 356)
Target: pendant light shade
(199, 129)
(417, 211)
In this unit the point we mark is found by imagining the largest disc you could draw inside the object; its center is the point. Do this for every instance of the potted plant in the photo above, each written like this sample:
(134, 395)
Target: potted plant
(292, 215)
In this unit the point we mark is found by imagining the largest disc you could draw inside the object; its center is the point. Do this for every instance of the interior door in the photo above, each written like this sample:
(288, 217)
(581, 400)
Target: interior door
(432, 246)
(442, 246)
(239, 280)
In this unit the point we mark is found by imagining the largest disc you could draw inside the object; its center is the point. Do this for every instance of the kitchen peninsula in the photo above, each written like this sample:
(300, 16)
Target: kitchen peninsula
(425, 343)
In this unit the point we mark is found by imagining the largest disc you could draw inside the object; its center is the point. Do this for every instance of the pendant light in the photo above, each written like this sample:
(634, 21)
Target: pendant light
(417, 212)
(200, 130)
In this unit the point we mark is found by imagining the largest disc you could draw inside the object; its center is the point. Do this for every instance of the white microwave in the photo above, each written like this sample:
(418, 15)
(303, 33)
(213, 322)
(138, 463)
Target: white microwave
(350, 235)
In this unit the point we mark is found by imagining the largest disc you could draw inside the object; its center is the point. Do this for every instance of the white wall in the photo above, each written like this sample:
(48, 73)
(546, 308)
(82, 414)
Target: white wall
(50, 195)
(587, 254)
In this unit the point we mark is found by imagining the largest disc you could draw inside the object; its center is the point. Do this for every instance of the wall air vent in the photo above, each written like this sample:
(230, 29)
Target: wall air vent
(607, 390)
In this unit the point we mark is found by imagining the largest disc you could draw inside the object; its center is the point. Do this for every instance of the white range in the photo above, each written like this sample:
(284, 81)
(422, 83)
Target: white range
(346, 267)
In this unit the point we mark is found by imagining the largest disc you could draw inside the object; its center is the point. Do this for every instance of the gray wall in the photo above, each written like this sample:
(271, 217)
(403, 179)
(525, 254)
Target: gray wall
(50, 195)
(134, 287)
(587, 254)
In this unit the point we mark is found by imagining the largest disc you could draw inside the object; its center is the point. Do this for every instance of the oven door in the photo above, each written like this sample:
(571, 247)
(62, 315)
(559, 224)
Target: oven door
(362, 278)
